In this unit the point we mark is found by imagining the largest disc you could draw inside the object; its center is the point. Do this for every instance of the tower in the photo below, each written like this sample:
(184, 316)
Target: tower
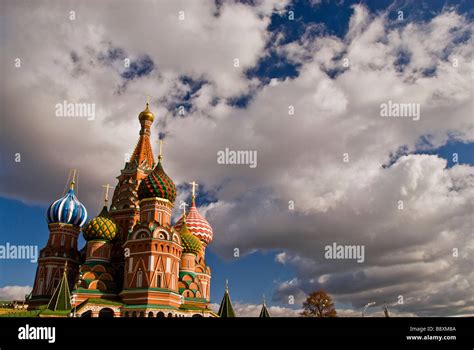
(96, 274)
(197, 224)
(264, 311)
(65, 218)
(226, 309)
(125, 208)
(153, 248)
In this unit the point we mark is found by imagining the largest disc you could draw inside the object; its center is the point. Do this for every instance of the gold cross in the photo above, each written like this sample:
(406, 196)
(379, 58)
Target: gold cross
(160, 154)
(183, 206)
(194, 184)
(107, 187)
(73, 181)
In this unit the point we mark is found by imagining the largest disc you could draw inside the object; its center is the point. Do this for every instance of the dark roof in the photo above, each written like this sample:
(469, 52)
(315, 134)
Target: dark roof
(264, 311)
(61, 299)
(226, 309)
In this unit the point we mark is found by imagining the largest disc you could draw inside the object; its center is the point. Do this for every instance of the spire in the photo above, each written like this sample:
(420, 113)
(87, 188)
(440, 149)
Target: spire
(385, 310)
(61, 299)
(143, 154)
(264, 312)
(226, 309)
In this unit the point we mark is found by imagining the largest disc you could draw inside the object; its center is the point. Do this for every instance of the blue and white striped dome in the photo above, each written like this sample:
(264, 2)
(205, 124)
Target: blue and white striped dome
(67, 210)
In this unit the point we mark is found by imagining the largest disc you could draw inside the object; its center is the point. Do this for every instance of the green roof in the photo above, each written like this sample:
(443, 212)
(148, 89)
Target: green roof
(226, 309)
(264, 312)
(61, 299)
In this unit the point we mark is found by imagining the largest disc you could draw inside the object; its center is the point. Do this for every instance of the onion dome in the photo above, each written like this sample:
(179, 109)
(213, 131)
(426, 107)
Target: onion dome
(102, 227)
(157, 184)
(197, 224)
(67, 210)
(146, 114)
(190, 243)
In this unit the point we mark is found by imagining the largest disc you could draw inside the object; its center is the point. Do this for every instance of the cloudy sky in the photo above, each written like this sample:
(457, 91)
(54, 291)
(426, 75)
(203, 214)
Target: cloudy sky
(299, 82)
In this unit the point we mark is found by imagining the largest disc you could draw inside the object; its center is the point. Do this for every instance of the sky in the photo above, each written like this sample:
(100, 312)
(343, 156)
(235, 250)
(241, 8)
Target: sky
(302, 83)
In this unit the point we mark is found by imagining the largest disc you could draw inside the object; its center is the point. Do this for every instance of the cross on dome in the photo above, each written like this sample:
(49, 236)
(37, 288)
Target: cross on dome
(194, 184)
(106, 198)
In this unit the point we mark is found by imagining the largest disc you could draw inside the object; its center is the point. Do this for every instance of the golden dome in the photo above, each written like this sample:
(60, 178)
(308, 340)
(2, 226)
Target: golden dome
(146, 114)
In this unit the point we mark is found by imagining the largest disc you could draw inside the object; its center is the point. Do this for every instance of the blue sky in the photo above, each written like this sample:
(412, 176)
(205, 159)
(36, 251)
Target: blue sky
(283, 53)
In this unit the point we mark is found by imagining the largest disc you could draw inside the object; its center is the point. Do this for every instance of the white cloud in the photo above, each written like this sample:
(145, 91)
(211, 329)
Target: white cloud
(253, 310)
(14, 292)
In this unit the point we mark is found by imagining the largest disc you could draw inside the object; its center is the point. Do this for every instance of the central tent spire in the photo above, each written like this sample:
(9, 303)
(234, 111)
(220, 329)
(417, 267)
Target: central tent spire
(143, 155)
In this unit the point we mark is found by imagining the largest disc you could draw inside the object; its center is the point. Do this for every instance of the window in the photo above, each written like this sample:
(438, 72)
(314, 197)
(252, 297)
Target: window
(158, 280)
(130, 265)
(63, 238)
(151, 262)
(139, 279)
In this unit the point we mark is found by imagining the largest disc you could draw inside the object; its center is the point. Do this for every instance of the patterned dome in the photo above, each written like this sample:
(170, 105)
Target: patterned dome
(67, 210)
(157, 184)
(190, 243)
(101, 227)
(197, 224)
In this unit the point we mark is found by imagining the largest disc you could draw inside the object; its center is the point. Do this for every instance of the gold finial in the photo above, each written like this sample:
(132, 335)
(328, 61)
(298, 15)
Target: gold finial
(194, 184)
(106, 198)
(65, 267)
(264, 299)
(73, 181)
(227, 286)
(146, 113)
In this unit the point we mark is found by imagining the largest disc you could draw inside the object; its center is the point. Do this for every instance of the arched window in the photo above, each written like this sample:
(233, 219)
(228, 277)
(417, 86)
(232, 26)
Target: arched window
(63, 238)
(150, 314)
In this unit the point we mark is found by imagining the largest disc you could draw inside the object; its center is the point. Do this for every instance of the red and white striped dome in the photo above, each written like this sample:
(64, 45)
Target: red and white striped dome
(197, 224)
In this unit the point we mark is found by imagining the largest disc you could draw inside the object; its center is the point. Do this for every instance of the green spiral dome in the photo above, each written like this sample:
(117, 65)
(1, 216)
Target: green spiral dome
(157, 184)
(190, 243)
(101, 227)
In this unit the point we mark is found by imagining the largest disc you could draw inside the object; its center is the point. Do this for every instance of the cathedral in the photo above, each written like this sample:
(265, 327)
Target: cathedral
(136, 263)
